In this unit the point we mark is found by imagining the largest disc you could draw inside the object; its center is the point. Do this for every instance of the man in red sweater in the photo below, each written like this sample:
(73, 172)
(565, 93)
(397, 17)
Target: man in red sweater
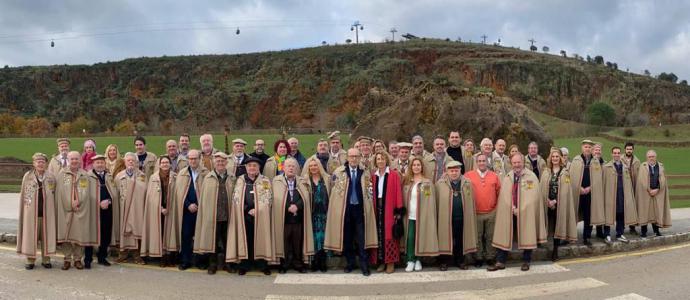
(486, 185)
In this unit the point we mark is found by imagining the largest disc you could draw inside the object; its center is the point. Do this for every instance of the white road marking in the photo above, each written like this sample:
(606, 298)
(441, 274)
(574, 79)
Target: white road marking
(515, 292)
(631, 296)
(400, 276)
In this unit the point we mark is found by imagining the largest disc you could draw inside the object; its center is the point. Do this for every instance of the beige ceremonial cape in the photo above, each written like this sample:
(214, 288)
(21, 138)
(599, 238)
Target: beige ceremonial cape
(566, 219)
(280, 193)
(596, 177)
(232, 165)
(541, 164)
(54, 166)
(634, 167)
(501, 163)
(531, 227)
(468, 159)
(111, 186)
(149, 164)
(611, 185)
(264, 247)
(426, 236)
(444, 194)
(271, 168)
(335, 222)
(79, 224)
(430, 165)
(152, 243)
(182, 163)
(176, 210)
(28, 230)
(132, 201)
(205, 229)
(655, 209)
(335, 161)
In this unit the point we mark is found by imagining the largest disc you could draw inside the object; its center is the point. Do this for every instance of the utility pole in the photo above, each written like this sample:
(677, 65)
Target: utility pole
(393, 31)
(356, 27)
(532, 41)
(484, 39)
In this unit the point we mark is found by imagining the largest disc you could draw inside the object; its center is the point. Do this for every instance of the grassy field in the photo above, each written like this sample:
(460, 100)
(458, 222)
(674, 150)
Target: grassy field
(656, 133)
(23, 148)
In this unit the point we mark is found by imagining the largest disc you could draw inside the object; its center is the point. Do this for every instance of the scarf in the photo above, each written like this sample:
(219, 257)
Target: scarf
(86, 161)
(281, 161)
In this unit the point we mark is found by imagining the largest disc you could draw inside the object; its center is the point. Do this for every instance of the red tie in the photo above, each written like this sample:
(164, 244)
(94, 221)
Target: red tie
(516, 185)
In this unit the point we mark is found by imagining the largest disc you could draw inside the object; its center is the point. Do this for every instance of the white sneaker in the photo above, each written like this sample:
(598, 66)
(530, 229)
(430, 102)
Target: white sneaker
(608, 240)
(410, 266)
(623, 239)
(418, 266)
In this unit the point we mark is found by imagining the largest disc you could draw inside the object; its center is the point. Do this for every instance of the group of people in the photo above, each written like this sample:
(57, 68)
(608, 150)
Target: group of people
(380, 203)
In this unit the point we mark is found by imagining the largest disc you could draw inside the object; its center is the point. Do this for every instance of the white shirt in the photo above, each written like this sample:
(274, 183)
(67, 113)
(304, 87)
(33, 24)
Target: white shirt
(195, 174)
(380, 181)
(482, 174)
(412, 206)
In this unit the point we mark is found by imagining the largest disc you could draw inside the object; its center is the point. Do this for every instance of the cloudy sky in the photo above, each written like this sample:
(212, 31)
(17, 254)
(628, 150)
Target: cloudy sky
(638, 35)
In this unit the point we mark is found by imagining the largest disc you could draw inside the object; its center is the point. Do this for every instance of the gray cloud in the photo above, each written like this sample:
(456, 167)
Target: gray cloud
(638, 35)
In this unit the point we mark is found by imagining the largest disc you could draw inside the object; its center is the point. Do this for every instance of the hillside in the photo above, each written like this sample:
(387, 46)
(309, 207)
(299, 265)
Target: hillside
(325, 87)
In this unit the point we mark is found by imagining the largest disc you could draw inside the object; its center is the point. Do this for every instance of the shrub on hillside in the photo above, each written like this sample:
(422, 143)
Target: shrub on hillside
(124, 127)
(601, 114)
(628, 132)
(38, 127)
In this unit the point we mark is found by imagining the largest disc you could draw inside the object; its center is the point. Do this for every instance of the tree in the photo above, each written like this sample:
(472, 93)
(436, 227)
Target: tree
(647, 73)
(683, 82)
(589, 58)
(124, 127)
(563, 53)
(533, 48)
(601, 114)
(545, 49)
(670, 77)
(599, 60)
(38, 127)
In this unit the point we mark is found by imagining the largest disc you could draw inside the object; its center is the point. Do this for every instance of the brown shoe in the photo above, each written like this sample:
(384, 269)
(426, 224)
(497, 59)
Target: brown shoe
(122, 258)
(525, 267)
(390, 268)
(139, 261)
(212, 270)
(495, 267)
(78, 265)
(66, 266)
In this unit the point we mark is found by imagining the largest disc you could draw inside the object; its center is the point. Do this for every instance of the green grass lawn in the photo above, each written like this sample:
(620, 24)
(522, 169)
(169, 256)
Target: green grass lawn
(679, 132)
(23, 148)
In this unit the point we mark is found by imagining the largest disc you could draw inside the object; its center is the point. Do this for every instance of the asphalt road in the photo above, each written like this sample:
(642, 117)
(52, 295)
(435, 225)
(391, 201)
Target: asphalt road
(659, 273)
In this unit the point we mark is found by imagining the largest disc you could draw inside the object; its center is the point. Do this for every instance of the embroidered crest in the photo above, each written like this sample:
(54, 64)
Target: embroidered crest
(29, 193)
(142, 178)
(265, 185)
(51, 185)
(83, 183)
(426, 189)
(530, 184)
(566, 179)
(67, 180)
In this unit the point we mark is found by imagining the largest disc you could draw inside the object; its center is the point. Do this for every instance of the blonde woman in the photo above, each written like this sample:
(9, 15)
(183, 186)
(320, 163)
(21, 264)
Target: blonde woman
(558, 197)
(319, 182)
(420, 238)
(113, 161)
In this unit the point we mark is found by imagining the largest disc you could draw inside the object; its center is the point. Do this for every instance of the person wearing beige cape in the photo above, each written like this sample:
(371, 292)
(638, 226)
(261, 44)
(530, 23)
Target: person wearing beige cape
(557, 195)
(131, 184)
(621, 208)
(292, 225)
(468, 155)
(274, 165)
(500, 159)
(157, 221)
(337, 156)
(457, 222)
(37, 214)
(59, 161)
(519, 214)
(177, 161)
(486, 147)
(351, 213)
(533, 161)
(320, 188)
(633, 163)
(587, 182)
(188, 185)
(402, 162)
(653, 205)
(77, 214)
(105, 193)
(420, 236)
(146, 160)
(366, 148)
(237, 158)
(211, 231)
(113, 163)
(250, 233)
(435, 163)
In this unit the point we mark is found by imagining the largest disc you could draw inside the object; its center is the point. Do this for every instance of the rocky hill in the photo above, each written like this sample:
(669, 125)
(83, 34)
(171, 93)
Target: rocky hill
(337, 87)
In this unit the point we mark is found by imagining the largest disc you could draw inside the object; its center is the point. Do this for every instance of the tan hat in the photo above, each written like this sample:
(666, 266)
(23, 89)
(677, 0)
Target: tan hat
(97, 157)
(335, 135)
(405, 145)
(453, 164)
(239, 141)
(39, 155)
(590, 142)
(63, 141)
(365, 138)
(220, 154)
